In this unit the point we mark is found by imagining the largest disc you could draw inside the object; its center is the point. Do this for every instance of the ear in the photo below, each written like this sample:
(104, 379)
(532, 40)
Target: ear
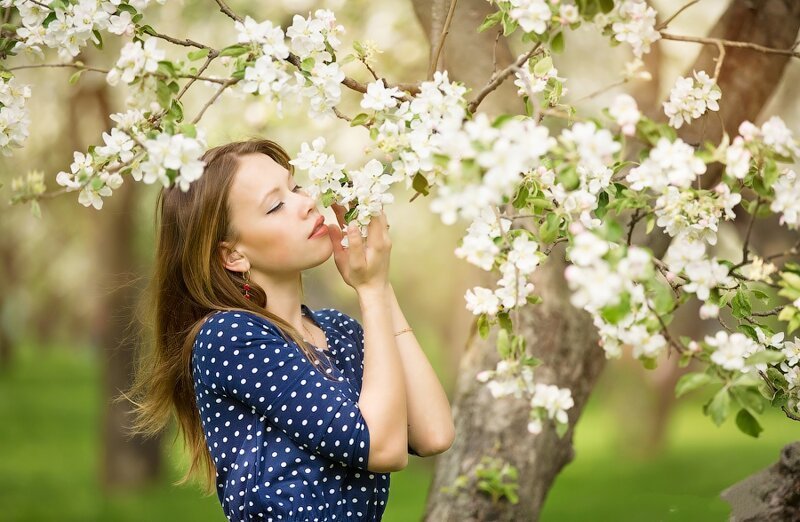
(231, 259)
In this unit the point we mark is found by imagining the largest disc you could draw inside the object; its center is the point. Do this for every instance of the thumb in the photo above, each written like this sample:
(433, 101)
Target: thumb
(335, 234)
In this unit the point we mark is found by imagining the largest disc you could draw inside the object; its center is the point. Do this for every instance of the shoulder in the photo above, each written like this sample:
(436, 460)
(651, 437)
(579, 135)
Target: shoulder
(235, 322)
(340, 319)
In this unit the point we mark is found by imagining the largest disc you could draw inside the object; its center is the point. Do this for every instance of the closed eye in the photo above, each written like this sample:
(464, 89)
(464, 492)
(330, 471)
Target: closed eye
(279, 205)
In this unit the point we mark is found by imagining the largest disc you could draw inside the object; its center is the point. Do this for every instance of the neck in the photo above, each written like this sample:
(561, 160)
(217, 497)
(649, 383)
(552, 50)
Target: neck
(284, 296)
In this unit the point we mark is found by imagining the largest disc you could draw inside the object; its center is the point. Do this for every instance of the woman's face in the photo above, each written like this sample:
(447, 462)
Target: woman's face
(274, 218)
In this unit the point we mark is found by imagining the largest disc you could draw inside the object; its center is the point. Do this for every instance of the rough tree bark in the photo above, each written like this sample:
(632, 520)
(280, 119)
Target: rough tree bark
(562, 336)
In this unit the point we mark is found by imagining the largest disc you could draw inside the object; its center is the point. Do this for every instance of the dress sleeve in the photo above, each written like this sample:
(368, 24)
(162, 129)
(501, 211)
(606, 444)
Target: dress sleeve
(241, 357)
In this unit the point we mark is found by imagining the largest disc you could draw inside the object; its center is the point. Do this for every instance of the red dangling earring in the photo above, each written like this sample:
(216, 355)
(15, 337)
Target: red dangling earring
(246, 286)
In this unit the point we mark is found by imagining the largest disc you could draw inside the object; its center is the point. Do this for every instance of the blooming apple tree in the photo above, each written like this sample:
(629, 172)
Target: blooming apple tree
(570, 186)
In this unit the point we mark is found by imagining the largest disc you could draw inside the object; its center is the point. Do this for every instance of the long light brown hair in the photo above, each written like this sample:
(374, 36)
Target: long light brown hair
(189, 282)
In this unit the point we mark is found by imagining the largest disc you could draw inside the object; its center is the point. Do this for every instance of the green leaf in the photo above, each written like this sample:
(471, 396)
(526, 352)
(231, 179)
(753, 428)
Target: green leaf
(691, 381)
(543, 66)
(602, 205)
(521, 197)
(198, 54)
(776, 377)
(503, 343)
(741, 304)
(749, 398)
(233, 50)
(606, 5)
(75, 77)
(489, 21)
(557, 43)
(561, 429)
(483, 326)
(187, 129)
(748, 424)
(308, 63)
(719, 407)
(99, 37)
(548, 230)
(420, 184)
(359, 119)
(651, 222)
(614, 313)
(765, 356)
(505, 321)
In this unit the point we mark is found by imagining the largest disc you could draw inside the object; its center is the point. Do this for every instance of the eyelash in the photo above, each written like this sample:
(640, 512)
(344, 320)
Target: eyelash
(281, 203)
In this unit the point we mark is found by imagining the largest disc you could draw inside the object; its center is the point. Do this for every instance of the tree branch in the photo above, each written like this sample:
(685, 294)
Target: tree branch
(729, 43)
(440, 45)
(498, 79)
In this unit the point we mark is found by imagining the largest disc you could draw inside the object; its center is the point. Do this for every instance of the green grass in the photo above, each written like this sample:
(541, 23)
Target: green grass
(50, 407)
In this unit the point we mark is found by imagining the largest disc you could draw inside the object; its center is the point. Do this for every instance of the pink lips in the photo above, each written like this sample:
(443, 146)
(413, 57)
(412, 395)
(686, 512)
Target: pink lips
(319, 228)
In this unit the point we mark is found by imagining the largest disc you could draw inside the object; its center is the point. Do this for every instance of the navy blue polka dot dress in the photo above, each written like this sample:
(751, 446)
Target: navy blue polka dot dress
(287, 443)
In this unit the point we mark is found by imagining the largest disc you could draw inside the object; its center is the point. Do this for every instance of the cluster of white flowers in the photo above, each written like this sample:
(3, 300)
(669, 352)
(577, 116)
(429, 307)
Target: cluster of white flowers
(592, 150)
(737, 158)
(177, 153)
(136, 60)
(695, 214)
(478, 246)
(669, 163)
(97, 174)
(311, 39)
(514, 378)
(533, 16)
(73, 26)
(703, 274)
(634, 22)
(625, 113)
(691, 98)
(14, 117)
(622, 280)
(787, 198)
(774, 134)
(522, 258)
(536, 76)
(325, 174)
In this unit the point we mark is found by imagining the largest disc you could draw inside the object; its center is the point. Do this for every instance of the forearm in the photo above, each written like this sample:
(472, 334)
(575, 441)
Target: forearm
(430, 421)
(383, 392)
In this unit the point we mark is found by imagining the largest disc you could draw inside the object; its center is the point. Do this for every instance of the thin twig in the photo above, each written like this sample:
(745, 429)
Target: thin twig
(228, 82)
(495, 82)
(749, 231)
(440, 45)
(729, 43)
(186, 43)
(227, 10)
(720, 59)
(666, 22)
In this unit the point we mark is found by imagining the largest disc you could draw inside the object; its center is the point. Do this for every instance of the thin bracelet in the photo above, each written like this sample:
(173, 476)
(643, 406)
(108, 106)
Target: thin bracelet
(404, 330)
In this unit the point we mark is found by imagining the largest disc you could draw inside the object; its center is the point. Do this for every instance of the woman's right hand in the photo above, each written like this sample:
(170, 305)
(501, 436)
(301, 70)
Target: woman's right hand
(364, 264)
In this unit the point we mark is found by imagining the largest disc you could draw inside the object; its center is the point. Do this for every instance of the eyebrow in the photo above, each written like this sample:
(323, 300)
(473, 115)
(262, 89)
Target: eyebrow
(274, 189)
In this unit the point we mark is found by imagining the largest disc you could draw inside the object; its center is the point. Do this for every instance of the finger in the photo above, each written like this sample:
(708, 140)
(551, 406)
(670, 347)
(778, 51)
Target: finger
(339, 253)
(339, 211)
(356, 247)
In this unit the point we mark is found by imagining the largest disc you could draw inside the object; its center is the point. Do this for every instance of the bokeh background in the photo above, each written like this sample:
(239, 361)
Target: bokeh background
(640, 455)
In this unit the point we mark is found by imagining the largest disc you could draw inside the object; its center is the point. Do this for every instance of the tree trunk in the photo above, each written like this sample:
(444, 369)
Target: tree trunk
(559, 334)
(771, 495)
(126, 462)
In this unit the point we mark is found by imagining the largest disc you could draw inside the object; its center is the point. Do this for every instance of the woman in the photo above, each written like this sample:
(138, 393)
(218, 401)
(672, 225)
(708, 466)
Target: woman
(289, 413)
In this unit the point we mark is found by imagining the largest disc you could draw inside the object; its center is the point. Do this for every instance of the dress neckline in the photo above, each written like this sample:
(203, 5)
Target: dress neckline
(308, 312)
